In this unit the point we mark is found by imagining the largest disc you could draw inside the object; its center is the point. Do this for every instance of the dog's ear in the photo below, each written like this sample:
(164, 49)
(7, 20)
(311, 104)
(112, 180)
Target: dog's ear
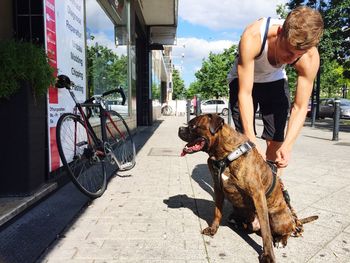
(215, 123)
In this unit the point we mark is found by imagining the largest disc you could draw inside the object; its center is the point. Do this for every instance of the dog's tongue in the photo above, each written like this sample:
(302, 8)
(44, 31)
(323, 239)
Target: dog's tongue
(193, 147)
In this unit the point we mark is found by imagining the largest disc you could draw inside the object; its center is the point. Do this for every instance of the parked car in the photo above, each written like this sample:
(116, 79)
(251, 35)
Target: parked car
(327, 108)
(116, 105)
(213, 106)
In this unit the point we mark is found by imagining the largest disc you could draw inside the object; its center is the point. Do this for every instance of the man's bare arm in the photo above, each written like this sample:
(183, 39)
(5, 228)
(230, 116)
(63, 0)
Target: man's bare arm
(306, 68)
(248, 49)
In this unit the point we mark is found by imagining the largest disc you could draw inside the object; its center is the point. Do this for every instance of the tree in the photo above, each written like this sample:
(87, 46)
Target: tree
(179, 91)
(212, 77)
(332, 79)
(334, 46)
(337, 23)
(155, 91)
(105, 70)
(193, 90)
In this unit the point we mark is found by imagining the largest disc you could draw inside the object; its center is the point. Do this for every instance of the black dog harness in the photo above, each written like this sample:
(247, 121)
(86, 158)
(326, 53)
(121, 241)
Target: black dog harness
(221, 165)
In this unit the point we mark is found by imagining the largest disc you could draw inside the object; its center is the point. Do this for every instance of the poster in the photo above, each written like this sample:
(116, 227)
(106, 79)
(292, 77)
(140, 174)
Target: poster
(65, 45)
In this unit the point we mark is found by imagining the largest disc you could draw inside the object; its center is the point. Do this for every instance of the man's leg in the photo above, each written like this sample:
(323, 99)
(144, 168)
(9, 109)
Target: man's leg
(234, 105)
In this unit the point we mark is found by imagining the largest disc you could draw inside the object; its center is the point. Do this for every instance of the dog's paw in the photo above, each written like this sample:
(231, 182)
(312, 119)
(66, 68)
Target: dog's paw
(265, 258)
(210, 231)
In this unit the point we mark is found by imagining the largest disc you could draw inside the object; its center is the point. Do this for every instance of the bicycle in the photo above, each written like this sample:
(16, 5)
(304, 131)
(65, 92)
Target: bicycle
(83, 154)
(167, 110)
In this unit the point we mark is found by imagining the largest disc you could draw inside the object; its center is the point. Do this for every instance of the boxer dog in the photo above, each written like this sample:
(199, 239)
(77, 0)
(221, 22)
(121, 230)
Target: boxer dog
(242, 176)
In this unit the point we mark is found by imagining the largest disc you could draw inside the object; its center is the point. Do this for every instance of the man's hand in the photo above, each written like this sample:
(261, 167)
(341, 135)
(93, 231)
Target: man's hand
(282, 159)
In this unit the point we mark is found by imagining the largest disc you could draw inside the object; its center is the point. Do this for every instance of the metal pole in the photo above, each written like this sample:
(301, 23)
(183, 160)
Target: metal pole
(313, 113)
(198, 106)
(229, 115)
(188, 110)
(318, 90)
(336, 120)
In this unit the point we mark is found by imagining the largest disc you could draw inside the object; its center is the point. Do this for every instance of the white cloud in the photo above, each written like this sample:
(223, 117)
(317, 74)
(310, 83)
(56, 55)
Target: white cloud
(226, 13)
(96, 18)
(189, 53)
(194, 49)
(102, 28)
(104, 40)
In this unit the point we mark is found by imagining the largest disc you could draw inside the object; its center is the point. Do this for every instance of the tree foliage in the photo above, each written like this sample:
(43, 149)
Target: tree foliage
(334, 47)
(212, 76)
(193, 90)
(106, 70)
(179, 91)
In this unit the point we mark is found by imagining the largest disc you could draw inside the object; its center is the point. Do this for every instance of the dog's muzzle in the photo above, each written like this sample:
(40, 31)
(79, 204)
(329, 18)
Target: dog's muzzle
(194, 143)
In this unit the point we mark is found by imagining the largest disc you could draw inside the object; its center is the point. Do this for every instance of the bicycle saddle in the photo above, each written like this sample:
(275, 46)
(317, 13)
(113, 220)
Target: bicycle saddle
(63, 81)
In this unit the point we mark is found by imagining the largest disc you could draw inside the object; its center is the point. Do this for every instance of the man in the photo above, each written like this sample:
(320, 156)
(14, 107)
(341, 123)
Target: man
(258, 78)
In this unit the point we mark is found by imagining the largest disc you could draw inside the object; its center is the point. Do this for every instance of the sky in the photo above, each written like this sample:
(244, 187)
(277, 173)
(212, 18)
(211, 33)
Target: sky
(204, 26)
(211, 26)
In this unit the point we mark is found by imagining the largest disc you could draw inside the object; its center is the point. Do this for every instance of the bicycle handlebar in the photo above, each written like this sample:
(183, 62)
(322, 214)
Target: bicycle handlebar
(64, 81)
(119, 90)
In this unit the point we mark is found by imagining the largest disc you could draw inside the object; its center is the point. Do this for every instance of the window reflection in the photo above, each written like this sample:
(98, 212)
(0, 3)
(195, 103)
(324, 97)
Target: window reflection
(156, 77)
(106, 62)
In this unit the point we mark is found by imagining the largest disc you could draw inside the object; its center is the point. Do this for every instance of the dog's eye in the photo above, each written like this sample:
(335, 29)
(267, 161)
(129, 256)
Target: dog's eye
(192, 127)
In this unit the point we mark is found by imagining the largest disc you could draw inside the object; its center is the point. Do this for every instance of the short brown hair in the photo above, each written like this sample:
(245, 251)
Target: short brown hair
(303, 27)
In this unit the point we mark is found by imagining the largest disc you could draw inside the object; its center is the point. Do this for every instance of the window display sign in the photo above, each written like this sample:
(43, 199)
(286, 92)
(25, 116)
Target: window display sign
(65, 45)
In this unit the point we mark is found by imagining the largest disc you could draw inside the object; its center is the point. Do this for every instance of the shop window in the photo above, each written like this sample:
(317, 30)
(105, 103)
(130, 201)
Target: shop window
(107, 59)
(156, 78)
(29, 20)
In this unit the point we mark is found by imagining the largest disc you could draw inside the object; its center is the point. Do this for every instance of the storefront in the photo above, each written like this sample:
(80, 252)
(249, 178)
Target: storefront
(100, 45)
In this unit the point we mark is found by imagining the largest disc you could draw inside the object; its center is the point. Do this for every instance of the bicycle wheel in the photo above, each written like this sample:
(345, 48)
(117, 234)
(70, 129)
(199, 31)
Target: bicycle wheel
(80, 156)
(120, 141)
(167, 110)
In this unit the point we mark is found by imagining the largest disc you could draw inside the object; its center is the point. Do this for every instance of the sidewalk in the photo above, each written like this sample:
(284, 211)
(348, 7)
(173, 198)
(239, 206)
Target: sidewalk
(156, 214)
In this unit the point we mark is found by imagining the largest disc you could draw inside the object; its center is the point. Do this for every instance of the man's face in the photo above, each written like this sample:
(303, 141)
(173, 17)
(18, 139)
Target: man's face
(286, 53)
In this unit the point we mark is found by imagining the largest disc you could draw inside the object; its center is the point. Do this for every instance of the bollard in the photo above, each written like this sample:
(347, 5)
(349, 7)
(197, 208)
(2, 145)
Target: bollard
(336, 120)
(188, 110)
(229, 115)
(313, 114)
(198, 108)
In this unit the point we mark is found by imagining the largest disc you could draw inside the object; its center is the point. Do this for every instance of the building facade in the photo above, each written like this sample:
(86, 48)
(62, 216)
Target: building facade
(99, 44)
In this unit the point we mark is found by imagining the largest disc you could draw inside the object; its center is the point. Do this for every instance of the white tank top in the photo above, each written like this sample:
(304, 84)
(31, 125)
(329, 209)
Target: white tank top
(263, 70)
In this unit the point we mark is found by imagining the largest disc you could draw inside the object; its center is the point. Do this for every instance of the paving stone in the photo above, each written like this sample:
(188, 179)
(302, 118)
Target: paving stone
(158, 212)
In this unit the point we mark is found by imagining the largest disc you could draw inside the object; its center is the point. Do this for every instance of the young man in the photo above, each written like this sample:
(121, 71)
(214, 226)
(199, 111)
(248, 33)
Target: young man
(258, 78)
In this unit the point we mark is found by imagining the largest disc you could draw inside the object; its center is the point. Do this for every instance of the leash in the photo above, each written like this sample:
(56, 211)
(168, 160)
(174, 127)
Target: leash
(273, 168)
(222, 164)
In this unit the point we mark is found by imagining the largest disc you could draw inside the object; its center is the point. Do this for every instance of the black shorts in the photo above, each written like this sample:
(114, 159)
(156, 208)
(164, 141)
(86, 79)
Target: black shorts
(274, 104)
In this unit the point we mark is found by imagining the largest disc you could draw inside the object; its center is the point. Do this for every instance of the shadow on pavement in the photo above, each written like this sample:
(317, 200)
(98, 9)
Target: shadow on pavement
(204, 209)
(27, 236)
(327, 124)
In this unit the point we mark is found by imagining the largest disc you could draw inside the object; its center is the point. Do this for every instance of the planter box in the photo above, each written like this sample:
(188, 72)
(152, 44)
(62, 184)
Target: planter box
(23, 154)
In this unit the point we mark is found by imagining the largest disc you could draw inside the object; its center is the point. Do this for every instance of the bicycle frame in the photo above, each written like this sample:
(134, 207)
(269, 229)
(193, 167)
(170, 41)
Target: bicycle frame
(104, 116)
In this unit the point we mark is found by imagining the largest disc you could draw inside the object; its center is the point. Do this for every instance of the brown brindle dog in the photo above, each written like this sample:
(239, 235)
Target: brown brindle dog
(244, 182)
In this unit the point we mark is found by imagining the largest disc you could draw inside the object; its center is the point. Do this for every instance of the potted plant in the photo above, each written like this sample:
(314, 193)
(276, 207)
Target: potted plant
(25, 77)
(23, 62)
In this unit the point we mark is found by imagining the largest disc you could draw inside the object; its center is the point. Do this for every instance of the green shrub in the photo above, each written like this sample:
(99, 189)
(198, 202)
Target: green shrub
(24, 62)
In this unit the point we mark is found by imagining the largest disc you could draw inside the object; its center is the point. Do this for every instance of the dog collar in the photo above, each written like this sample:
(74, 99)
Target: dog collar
(221, 165)
(242, 149)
